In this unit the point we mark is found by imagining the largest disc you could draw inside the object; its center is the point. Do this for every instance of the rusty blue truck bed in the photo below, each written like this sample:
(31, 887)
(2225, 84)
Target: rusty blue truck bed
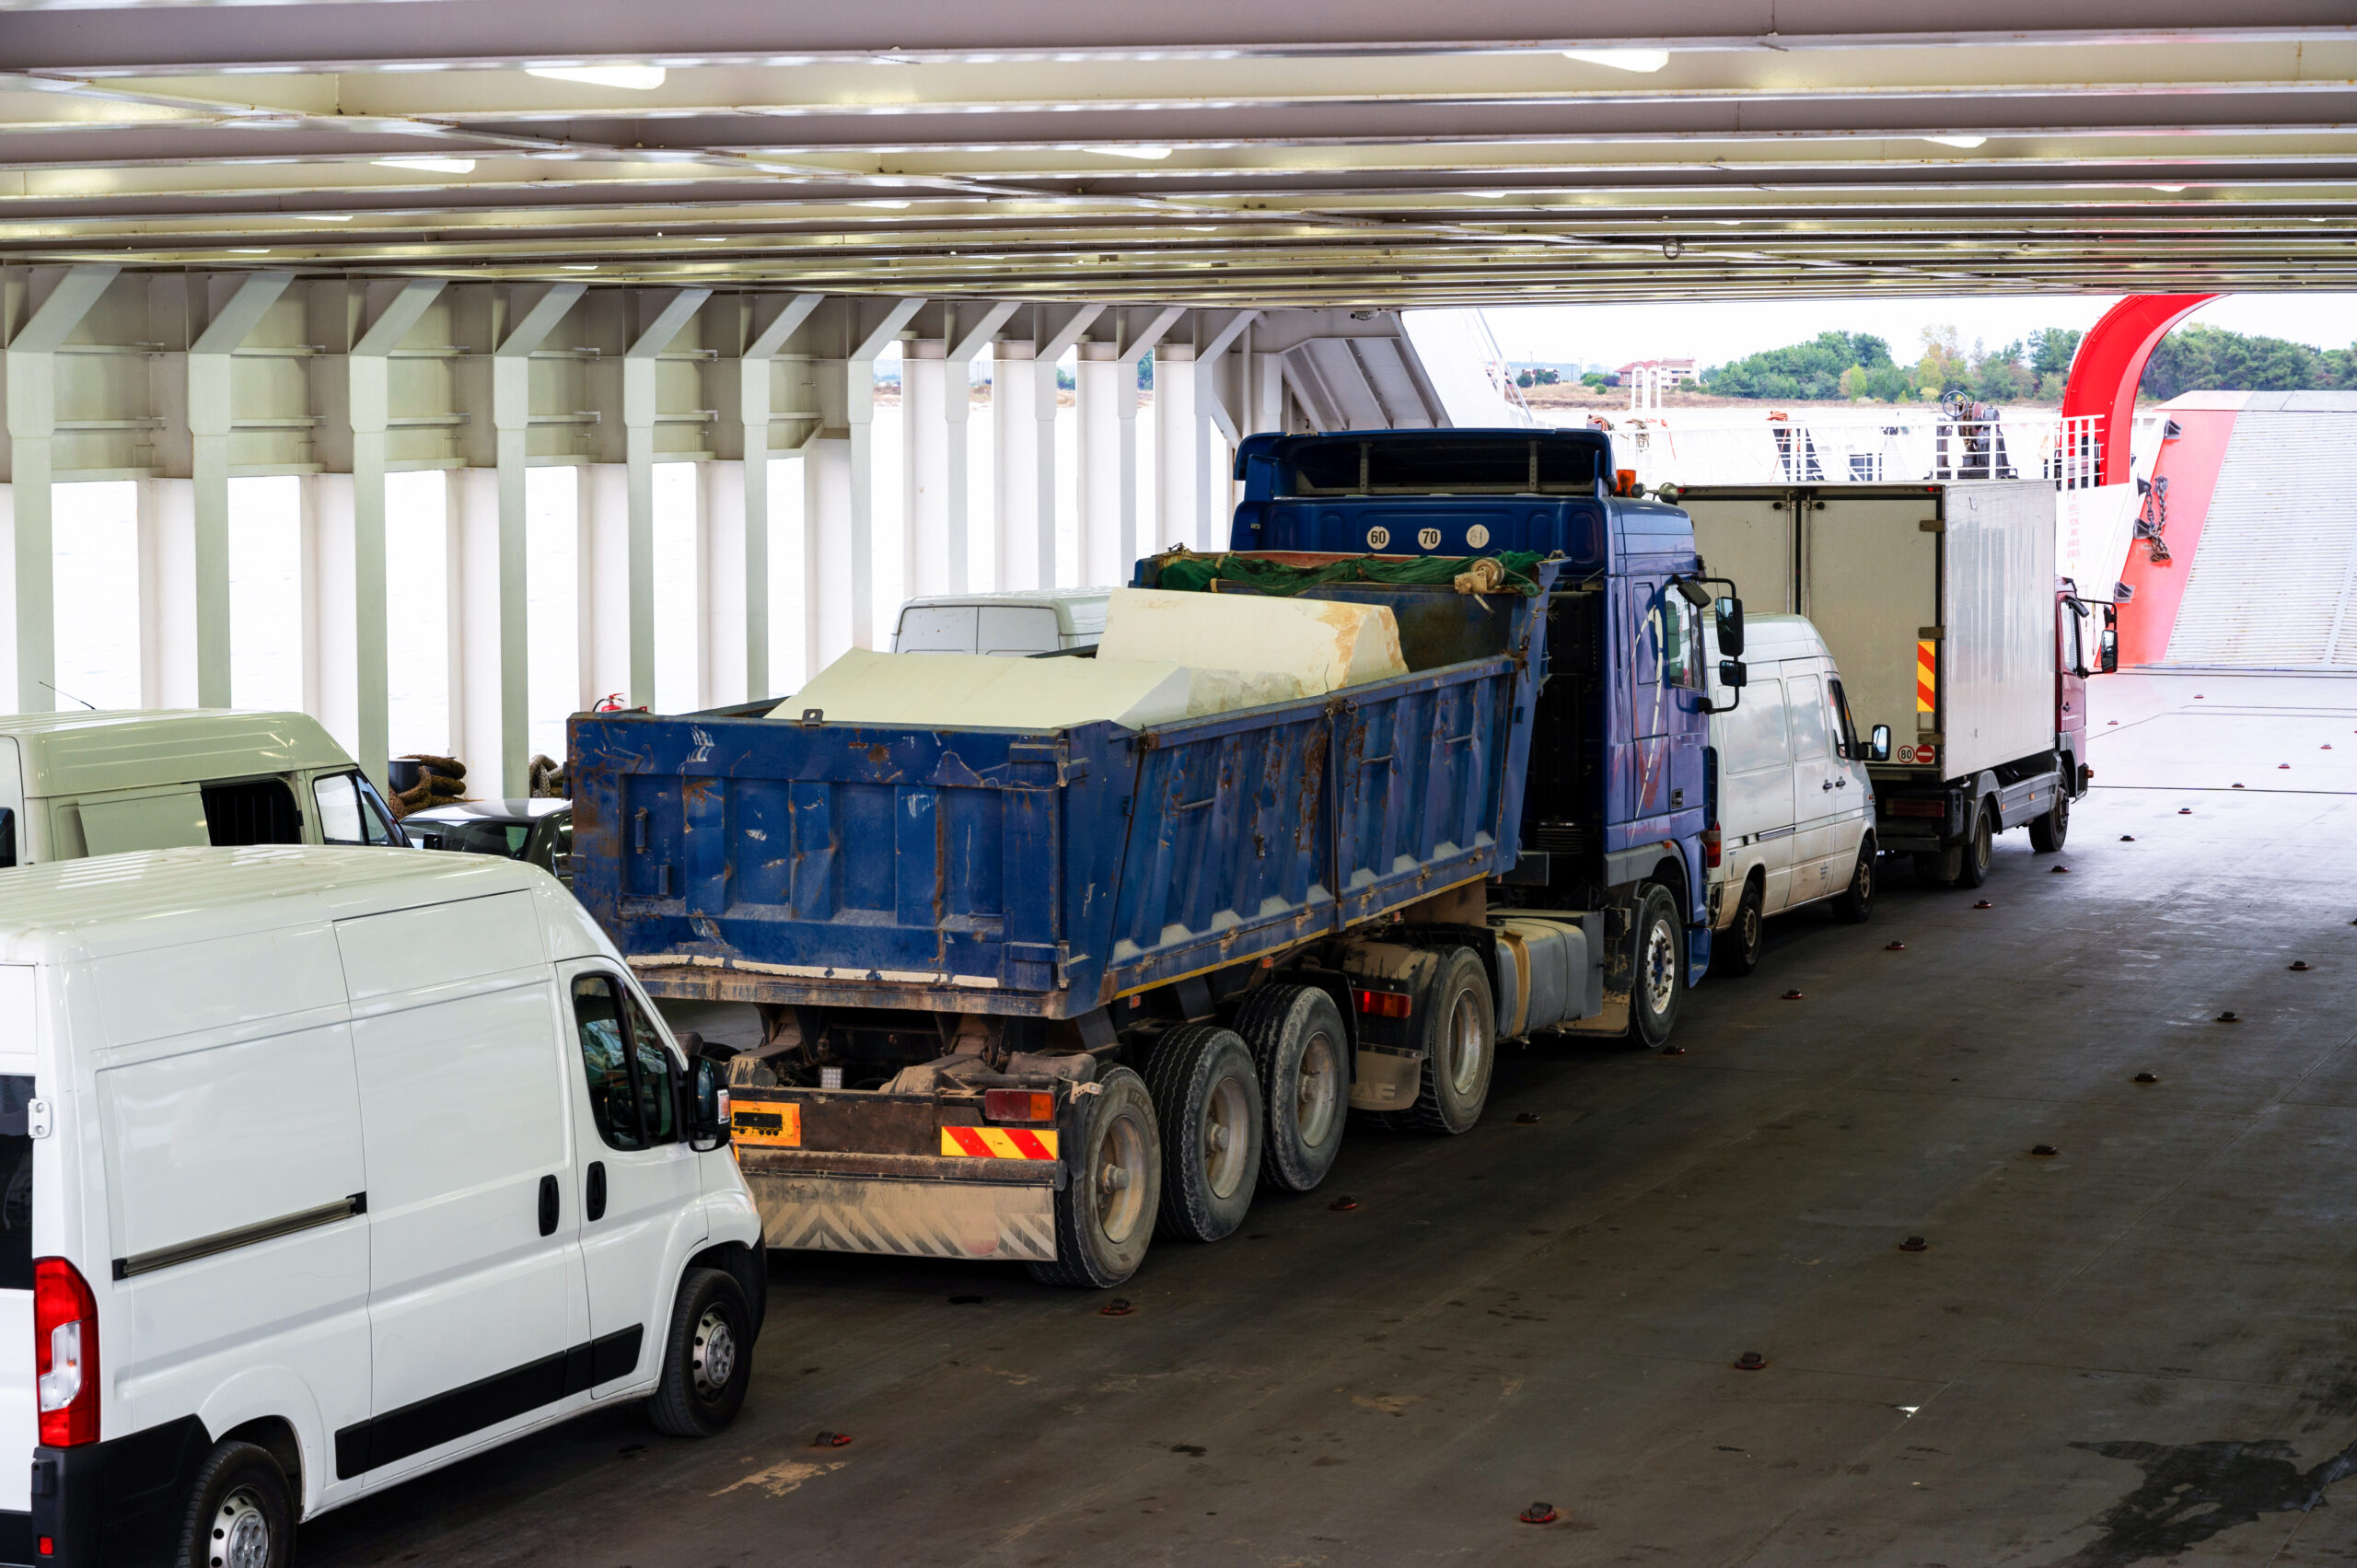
(771, 860)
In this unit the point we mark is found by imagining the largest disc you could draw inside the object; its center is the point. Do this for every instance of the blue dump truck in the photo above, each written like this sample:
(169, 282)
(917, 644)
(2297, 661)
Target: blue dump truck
(1037, 995)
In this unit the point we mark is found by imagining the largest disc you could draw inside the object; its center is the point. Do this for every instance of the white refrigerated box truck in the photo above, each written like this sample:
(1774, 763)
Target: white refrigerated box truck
(1940, 604)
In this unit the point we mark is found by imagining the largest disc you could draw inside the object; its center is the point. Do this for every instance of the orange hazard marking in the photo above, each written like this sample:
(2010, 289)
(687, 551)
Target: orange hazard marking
(1927, 686)
(998, 1143)
(777, 1123)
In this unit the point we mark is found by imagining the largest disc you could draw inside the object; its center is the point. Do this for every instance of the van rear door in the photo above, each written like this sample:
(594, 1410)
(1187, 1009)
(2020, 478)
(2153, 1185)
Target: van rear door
(18, 1427)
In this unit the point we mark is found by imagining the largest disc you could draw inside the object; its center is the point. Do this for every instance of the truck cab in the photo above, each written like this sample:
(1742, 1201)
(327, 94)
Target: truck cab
(102, 783)
(1614, 811)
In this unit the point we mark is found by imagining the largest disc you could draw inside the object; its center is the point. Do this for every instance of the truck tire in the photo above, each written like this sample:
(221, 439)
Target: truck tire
(707, 1357)
(1660, 982)
(1207, 1101)
(1856, 903)
(1979, 848)
(1113, 1163)
(1299, 1043)
(1931, 867)
(239, 1510)
(1747, 933)
(2047, 832)
(1460, 1041)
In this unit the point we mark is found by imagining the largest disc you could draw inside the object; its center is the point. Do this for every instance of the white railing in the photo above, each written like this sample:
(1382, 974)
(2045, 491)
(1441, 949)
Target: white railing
(1895, 446)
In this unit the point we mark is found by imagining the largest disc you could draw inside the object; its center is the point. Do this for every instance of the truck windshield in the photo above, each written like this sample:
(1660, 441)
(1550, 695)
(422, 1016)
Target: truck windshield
(1431, 466)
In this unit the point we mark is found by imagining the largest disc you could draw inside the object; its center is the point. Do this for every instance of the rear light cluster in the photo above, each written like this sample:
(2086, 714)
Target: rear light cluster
(1382, 1003)
(1019, 1105)
(1901, 805)
(66, 1354)
(1711, 851)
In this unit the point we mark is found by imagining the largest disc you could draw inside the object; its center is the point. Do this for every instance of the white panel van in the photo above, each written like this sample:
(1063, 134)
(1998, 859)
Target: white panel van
(106, 783)
(1794, 818)
(327, 1167)
(1013, 625)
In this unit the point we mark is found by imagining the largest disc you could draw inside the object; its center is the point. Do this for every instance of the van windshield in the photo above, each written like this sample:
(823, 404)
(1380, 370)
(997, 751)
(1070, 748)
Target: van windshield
(17, 1197)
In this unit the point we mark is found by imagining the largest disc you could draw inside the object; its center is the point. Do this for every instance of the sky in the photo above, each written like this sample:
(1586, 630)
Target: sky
(1716, 333)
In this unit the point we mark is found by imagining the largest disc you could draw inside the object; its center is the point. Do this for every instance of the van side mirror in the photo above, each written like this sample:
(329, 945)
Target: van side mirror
(2107, 646)
(7, 836)
(1730, 612)
(707, 1111)
(1878, 744)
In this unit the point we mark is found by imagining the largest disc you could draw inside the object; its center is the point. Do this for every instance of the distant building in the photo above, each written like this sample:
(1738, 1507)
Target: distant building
(1672, 371)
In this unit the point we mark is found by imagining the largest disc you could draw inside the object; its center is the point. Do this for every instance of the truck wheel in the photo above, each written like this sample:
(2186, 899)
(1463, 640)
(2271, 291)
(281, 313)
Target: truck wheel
(1660, 979)
(1105, 1214)
(1460, 1046)
(1980, 850)
(1298, 1043)
(1931, 867)
(2047, 832)
(1207, 1101)
(1856, 903)
(707, 1357)
(1747, 935)
(241, 1512)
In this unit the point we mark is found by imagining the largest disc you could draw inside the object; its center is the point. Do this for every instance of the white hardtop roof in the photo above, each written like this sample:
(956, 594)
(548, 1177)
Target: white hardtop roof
(1076, 604)
(1780, 637)
(82, 752)
(115, 903)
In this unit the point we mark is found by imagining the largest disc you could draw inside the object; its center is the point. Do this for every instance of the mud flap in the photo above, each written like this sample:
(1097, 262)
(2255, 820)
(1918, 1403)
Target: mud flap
(998, 1221)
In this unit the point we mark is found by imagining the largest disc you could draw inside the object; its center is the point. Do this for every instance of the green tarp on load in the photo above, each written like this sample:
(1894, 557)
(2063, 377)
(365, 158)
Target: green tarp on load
(1196, 573)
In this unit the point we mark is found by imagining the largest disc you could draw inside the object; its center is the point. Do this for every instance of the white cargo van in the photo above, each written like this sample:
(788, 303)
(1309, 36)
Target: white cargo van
(1794, 809)
(104, 782)
(329, 1168)
(1013, 625)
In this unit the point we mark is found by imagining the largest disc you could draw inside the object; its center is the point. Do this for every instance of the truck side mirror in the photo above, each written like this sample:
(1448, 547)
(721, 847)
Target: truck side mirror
(1732, 674)
(2108, 647)
(1731, 627)
(1878, 744)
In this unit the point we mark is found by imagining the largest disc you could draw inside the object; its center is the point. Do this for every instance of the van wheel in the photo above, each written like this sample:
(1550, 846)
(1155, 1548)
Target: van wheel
(1856, 903)
(1660, 982)
(1105, 1214)
(1747, 935)
(1460, 1047)
(1207, 1103)
(1979, 851)
(1301, 1047)
(707, 1357)
(241, 1512)
(2047, 832)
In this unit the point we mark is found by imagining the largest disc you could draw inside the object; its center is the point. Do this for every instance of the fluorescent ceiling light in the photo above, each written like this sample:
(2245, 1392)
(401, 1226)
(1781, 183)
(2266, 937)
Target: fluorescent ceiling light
(249, 250)
(322, 217)
(879, 202)
(711, 239)
(638, 78)
(578, 266)
(2172, 189)
(1146, 154)
(1489, 196)
(443, 165)
(1622, 59)
(1957, 141)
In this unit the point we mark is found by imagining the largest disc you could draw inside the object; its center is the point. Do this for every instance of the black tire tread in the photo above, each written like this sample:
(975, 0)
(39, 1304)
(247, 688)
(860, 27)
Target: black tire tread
(1426, 1114)
(1738, 962)
(673, 1407)
(192, 1552)
(1846, 905)
(1264, 1012)
(1074, 1267)
(1170, 1072)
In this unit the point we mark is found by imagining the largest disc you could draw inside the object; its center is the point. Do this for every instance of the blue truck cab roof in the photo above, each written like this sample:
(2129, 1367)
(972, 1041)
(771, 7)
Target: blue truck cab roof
(1448, 492)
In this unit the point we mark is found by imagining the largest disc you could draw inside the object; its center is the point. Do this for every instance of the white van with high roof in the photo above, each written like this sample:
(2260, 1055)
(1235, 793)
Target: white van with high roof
(325, 1168)
(1792, 810)
(112, 780)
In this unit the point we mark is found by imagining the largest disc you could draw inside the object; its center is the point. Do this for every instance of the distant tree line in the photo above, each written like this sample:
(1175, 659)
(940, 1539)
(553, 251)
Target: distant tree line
(2211, 359)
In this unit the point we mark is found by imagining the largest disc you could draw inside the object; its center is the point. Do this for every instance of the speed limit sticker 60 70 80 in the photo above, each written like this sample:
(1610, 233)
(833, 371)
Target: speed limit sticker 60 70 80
(1428, 539)
(1377, 538)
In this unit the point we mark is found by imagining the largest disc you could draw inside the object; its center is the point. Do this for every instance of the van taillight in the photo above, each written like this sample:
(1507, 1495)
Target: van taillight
(66, 1354)
(1711, 846)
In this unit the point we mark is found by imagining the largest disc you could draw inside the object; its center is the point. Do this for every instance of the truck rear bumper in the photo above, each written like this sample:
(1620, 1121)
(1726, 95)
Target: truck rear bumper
(1004, 1211)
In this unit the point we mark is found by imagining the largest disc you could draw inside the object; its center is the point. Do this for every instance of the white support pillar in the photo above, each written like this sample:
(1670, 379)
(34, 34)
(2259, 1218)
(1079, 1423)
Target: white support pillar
(828, 618)
(636, 598)
(1213, 485)
(604, 501)
(166, 521)
(1015, 427)
(348, 618)
(29, 390)
(1125, 396)
(739, 673)
(956, 410)
(494, 711)
(1178, 451)
(722, 595)
(859, 416)
(924, 469)
(1099, 377)
(1268, 393)
(1043, 407)
(209, 424)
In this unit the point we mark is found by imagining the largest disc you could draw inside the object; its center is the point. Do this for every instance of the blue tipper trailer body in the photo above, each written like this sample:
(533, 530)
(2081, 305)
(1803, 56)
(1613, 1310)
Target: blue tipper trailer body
(1039, 996)
(1050, 873)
